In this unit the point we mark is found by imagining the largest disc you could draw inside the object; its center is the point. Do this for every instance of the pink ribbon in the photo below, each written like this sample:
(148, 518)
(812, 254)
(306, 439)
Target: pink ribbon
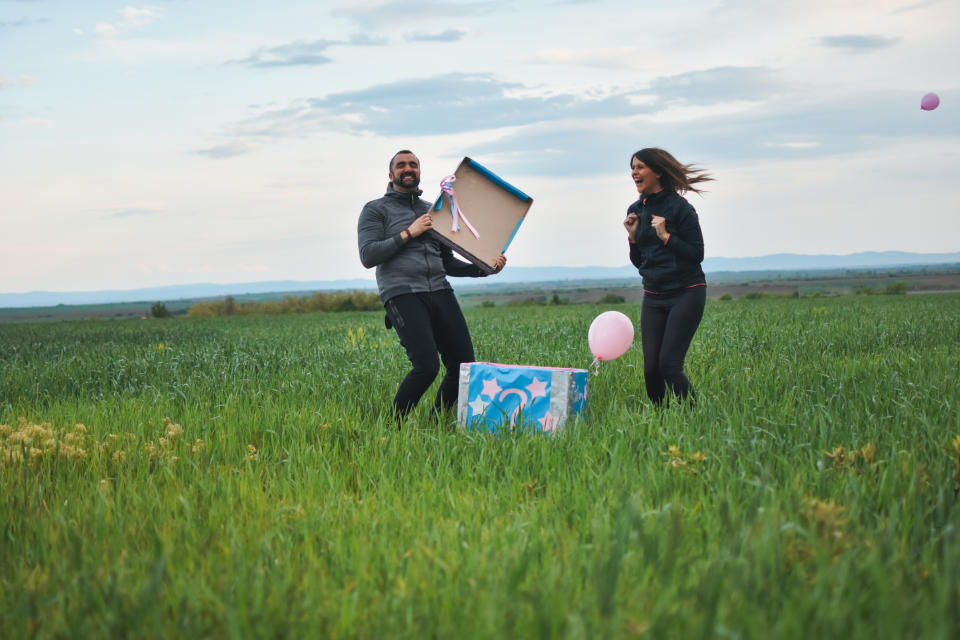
(446, 185)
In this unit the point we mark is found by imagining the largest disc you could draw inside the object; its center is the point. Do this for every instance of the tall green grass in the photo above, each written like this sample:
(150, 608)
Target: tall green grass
(242, 478)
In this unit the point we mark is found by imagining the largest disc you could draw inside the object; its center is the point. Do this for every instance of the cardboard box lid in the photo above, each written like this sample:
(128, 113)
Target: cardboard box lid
(492, 206)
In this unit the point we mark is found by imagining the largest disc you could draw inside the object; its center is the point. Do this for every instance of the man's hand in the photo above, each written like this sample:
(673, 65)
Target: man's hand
(420, 225)
(500, 263)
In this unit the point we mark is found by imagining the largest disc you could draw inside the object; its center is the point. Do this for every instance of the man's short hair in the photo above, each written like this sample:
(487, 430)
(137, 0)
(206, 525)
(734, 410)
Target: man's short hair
(402, 151)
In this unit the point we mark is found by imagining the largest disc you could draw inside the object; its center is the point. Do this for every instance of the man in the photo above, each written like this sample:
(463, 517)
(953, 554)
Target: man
(411, 276)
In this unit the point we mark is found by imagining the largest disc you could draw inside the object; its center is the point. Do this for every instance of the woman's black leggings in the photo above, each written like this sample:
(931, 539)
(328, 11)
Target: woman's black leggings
(428, 323)
(667, 324)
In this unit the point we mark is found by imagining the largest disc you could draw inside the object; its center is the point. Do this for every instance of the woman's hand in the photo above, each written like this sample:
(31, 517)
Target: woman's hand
(631, 224)
(659, 225)
(420, 225)
(500, 263)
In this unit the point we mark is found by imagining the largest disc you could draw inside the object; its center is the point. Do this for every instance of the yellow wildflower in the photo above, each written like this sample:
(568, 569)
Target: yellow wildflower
(826, 515)
(172, 430)
(839, 455)
(356, 338)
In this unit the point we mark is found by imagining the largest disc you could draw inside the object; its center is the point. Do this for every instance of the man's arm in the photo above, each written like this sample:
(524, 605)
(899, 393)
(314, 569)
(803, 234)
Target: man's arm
(375, 246)
(458, 268)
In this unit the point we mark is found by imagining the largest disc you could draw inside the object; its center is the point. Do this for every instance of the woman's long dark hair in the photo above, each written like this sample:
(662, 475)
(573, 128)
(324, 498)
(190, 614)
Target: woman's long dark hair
(674, 176)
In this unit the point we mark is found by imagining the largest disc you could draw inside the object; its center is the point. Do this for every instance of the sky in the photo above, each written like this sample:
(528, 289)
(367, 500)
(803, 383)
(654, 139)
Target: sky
(190, 141)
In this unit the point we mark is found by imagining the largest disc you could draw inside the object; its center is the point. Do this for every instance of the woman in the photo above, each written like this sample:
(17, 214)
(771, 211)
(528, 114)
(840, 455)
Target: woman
(666, 246)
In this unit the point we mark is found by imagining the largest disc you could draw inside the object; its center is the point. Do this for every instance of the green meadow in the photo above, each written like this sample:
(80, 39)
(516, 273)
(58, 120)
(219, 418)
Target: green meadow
(240, 477)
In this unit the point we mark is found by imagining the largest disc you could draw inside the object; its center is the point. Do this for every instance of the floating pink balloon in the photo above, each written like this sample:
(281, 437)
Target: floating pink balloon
(610, 335)
(930, 102)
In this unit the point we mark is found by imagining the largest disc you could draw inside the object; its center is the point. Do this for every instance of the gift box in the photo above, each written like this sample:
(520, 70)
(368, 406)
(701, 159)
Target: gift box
(477, 213)
(495, 397)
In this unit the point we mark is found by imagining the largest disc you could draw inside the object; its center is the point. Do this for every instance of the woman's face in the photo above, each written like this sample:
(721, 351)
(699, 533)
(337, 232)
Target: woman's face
(643, 176)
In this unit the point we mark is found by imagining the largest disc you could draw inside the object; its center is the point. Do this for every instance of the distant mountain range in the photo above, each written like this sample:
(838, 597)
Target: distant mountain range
(512, 275)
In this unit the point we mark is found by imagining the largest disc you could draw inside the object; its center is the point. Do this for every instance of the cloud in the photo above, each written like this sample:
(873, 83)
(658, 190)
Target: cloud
(22, 81)
(444, 104)
(229, 149)
(294, 54)
(917, 6)
(299, 53)
(856, 43)
(135, 210)
(132, 18)
(366, 40)
(717, 85)
(449, 35)
(466, 102)
(22, 22)
(371, 14)
(459, 102)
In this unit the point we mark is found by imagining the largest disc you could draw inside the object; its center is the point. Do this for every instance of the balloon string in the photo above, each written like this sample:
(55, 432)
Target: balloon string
(596, 366)
(446, 185)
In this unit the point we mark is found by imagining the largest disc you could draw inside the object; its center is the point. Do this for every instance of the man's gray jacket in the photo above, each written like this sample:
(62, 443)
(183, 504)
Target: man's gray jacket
(421, 264)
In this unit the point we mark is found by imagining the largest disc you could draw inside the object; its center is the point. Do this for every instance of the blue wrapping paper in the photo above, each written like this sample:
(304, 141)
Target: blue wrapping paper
(496, 397)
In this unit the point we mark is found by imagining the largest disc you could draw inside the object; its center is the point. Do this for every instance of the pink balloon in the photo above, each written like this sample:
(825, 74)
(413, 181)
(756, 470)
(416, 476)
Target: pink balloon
(610, 335)
(930, 102)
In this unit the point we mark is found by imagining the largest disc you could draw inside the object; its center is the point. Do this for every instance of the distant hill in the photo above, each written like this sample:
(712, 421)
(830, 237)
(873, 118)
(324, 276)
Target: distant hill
(174, 292)
(796, 261)
(512, 275)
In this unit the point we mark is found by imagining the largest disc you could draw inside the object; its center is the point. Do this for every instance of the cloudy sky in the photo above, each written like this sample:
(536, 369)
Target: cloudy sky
(187, 141)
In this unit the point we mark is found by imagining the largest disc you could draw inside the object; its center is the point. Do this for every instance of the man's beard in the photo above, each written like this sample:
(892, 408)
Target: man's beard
(403, 180)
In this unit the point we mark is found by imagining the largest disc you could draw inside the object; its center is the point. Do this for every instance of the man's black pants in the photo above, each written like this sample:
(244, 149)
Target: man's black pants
(428, 324)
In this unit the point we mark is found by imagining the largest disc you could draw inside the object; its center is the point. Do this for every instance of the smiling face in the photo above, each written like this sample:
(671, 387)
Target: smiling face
(405, 172)
(644, 177)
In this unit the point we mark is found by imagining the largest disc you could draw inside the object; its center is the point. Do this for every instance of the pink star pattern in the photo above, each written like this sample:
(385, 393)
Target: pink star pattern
(490, 388)
(537, 389)
(548, 422)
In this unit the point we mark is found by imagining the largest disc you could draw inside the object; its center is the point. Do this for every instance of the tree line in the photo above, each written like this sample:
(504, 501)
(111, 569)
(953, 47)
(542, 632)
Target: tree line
(318, 302)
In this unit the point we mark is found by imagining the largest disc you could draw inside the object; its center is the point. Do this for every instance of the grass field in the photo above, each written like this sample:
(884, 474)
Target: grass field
(238, 477)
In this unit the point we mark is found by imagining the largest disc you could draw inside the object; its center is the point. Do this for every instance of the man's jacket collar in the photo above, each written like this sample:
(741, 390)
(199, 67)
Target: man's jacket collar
(393, 192)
